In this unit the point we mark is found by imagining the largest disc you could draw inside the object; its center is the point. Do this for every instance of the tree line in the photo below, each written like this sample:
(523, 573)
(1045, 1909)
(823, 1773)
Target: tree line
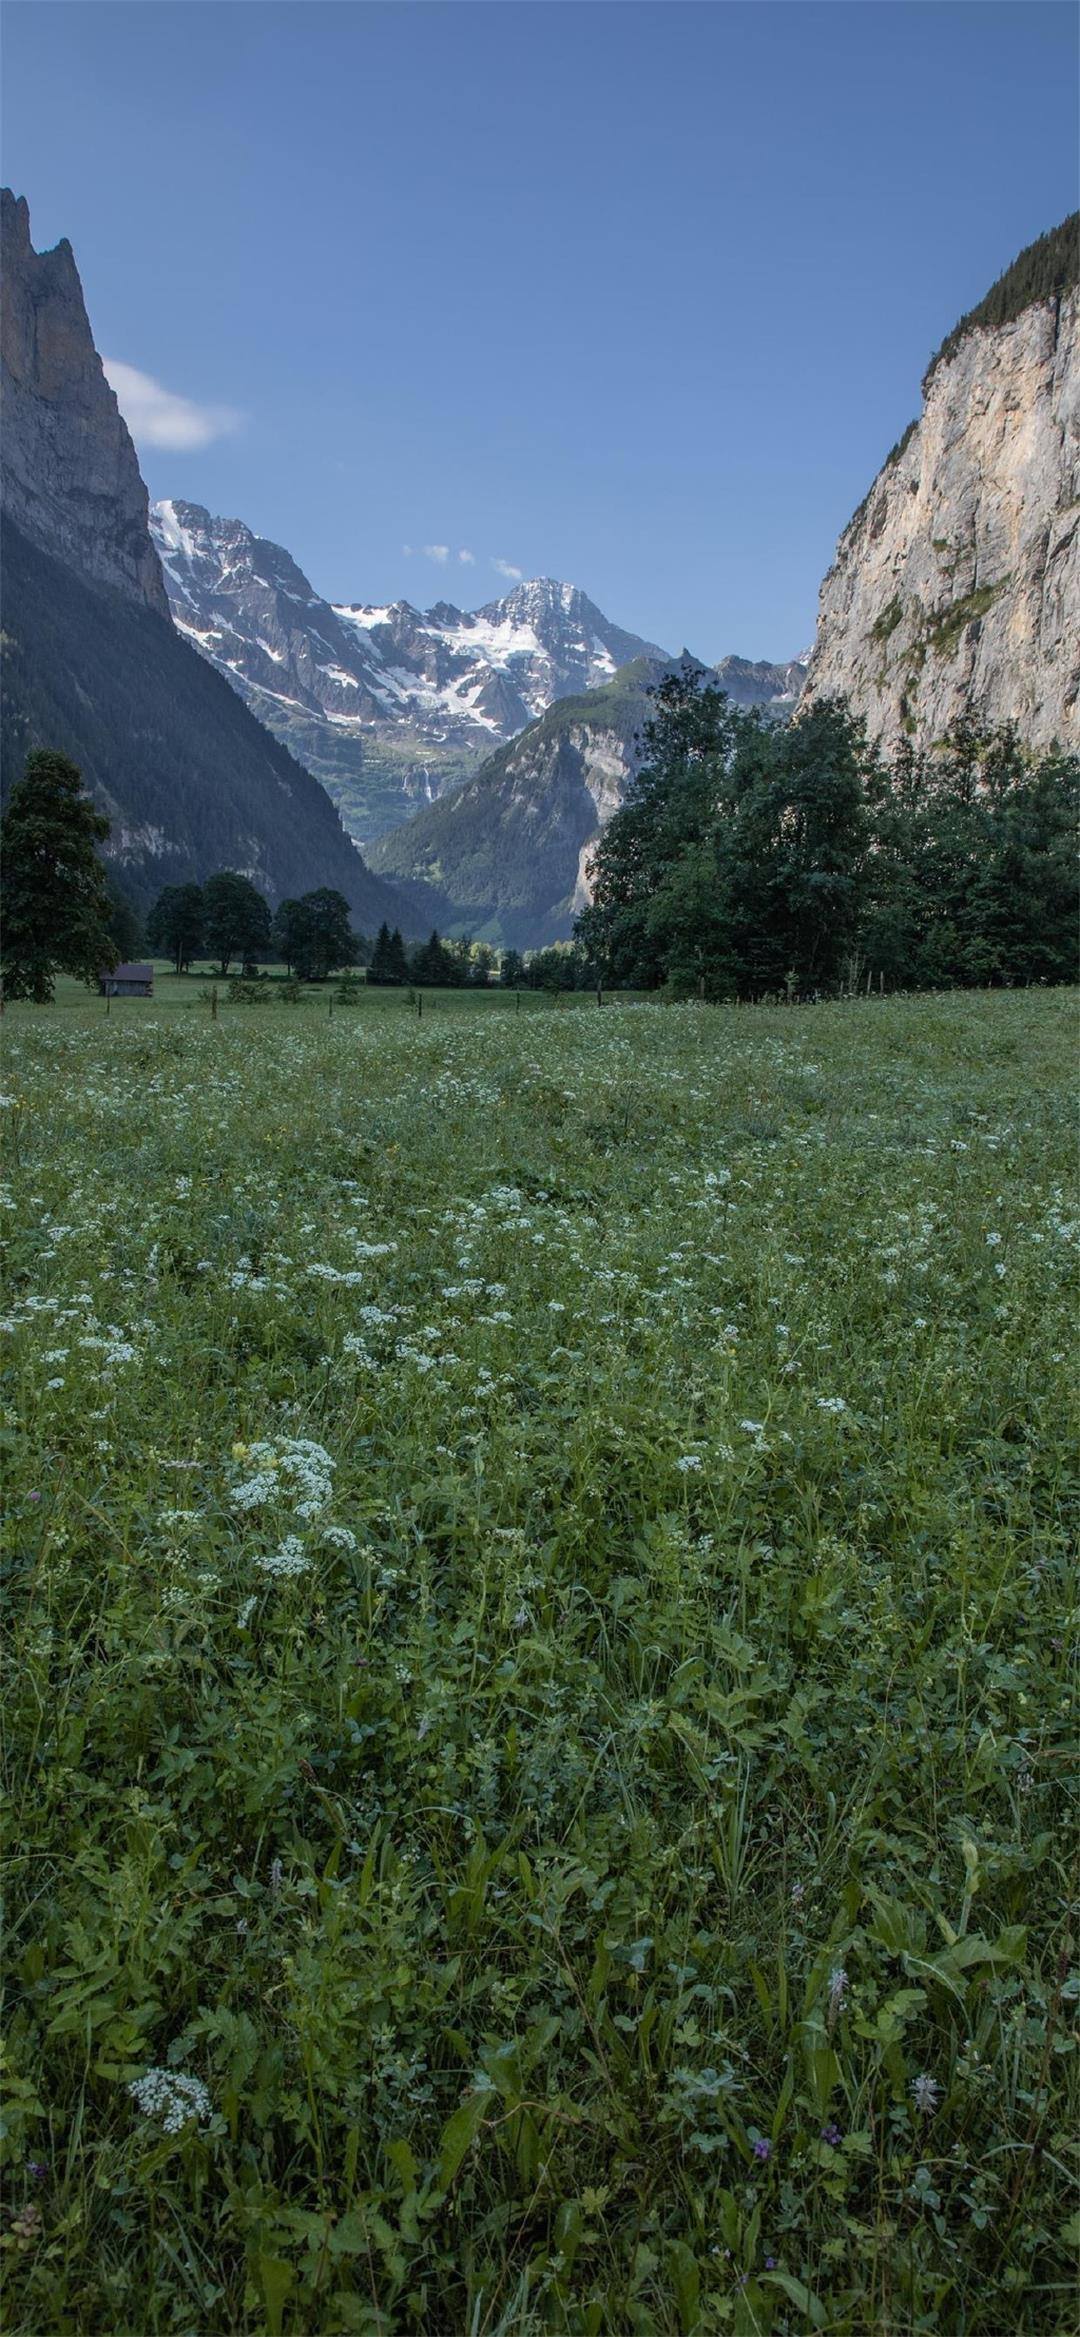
(229, 920)
(753, 860)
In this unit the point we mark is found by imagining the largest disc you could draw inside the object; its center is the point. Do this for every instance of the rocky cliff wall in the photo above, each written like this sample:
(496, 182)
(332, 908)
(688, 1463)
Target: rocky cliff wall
(70, 472)
(956, 587)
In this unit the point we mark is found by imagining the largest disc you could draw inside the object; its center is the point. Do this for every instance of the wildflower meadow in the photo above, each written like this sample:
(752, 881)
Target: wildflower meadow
(538, 1733)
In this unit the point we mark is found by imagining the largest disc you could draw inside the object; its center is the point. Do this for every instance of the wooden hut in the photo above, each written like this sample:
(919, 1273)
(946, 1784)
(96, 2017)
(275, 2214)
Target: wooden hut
(127, 982)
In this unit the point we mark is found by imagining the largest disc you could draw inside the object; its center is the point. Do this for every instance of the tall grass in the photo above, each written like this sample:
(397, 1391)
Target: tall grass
(537, 1570)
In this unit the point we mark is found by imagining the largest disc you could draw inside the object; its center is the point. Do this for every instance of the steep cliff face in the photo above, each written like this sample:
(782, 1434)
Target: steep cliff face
(956, 587)
(93, 664)
(71, 474)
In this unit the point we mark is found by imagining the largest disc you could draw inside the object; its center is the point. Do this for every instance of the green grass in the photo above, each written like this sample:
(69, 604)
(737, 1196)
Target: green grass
(612, 1873)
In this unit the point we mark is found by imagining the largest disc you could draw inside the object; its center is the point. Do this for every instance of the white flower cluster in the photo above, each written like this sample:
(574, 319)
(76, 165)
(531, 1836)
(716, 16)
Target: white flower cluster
(171, 2097)
(287, 1562)
(295, 1471)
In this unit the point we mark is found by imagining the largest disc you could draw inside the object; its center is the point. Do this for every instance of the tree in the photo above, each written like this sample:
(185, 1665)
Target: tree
(288, 932)
(175, 924)
(432, 965)
(388, 960)
(481, 965)
(237, 920)
(319, 935)
(512, 969)
(56, 902)
(125, 926)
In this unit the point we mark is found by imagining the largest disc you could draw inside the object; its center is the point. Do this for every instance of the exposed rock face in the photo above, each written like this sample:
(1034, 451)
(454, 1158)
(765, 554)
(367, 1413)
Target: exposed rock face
(755, 682)
(956, 587)
(71, 474)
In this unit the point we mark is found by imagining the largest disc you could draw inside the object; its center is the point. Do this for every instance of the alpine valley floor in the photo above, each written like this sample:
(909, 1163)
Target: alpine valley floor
(538, 1729)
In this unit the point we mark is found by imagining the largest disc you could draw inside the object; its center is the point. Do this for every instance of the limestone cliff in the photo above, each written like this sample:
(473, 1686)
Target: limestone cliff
(956, 586)
(71, 474)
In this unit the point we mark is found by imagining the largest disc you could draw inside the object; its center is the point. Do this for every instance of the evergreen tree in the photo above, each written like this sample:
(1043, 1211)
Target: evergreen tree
(388, 960)
(56, 901)
(237, 920)
(432, 965)
(379, 969)
(175, 924)
(512, 969)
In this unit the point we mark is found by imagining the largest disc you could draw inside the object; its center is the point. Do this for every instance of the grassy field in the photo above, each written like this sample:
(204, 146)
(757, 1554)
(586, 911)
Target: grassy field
(537, 1576)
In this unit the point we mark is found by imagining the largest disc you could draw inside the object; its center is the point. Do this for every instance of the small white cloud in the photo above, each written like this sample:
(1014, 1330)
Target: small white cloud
(440, 553)
(408, 551)
(156, 416)
(507, 568)
(467, 559)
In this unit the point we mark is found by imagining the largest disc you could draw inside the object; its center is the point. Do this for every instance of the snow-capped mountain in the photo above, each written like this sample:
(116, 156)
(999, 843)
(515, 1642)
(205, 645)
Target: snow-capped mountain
(387, 705)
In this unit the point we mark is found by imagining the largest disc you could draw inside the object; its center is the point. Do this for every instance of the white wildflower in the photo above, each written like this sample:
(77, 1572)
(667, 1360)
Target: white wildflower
(287, 1562)
(172, 2097)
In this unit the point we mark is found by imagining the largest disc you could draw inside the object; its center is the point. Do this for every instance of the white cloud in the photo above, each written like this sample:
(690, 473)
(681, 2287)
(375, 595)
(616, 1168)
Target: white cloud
(467, 559)
(157, 417)
(507, 568)
(440, 553)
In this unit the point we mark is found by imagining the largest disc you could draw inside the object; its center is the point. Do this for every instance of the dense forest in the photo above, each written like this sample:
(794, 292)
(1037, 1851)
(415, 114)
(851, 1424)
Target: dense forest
(751, 860)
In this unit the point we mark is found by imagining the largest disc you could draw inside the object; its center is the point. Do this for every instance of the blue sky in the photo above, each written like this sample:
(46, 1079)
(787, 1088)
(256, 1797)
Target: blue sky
(634, 295)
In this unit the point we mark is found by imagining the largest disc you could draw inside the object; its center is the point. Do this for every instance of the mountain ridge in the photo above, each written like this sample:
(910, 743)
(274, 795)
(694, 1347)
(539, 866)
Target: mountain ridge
(390, 702)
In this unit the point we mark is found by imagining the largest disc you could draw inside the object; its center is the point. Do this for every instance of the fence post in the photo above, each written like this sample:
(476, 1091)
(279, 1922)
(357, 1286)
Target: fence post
(213, 1001)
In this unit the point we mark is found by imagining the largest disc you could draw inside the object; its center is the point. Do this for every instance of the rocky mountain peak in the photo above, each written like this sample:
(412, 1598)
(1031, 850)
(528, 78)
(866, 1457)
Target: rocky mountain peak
(70, 471)
(387, 703)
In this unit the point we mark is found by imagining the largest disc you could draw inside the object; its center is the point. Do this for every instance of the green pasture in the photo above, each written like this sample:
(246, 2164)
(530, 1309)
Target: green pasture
(539, 1729)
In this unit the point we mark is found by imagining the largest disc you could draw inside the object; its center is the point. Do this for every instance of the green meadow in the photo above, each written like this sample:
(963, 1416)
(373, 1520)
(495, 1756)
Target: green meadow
(538, 1724)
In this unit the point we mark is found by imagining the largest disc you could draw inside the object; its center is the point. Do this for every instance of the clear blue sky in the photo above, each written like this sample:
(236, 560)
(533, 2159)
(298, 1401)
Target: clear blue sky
(634, 295)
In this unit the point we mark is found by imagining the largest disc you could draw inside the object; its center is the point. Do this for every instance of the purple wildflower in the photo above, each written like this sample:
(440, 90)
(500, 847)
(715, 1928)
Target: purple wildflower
(832, 2135)
(762, 2149)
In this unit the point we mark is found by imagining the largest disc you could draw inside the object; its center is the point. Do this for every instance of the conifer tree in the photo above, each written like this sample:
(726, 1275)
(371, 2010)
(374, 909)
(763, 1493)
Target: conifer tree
(56, 907)
(379, 969)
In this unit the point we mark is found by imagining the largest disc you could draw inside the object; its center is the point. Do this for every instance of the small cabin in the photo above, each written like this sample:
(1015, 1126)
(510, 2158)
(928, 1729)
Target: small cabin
(127, 982)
